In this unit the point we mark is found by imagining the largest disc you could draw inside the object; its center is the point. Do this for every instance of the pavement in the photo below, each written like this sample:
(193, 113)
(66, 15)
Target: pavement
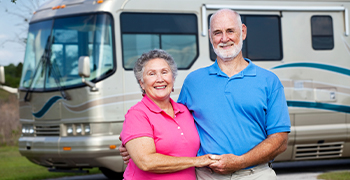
(298, 170)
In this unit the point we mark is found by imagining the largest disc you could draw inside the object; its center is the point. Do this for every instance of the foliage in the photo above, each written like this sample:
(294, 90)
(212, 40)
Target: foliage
(14, 166)
(13, 75)
(338, 175)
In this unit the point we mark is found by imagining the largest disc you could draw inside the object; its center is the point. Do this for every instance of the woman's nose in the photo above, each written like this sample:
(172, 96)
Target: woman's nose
(159, 77)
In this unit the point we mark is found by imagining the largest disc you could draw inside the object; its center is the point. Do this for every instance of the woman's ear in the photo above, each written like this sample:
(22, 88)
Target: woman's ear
(141, 84)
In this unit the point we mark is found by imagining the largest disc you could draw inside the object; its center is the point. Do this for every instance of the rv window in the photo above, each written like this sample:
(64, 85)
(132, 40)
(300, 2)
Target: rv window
(322, 32)
(54, 47)
(174, 33)
(263, 41)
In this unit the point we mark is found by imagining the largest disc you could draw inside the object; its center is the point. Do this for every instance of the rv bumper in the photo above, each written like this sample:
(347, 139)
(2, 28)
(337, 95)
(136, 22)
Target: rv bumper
(73, 152)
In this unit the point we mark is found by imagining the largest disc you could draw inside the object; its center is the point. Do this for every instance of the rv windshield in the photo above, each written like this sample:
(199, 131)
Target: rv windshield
(54, 47)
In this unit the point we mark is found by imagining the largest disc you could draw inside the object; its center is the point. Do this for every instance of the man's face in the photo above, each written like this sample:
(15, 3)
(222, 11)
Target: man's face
(226, 35)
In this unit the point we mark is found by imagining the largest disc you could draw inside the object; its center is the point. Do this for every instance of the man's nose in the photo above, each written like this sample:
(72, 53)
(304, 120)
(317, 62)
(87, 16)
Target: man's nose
(224, 37)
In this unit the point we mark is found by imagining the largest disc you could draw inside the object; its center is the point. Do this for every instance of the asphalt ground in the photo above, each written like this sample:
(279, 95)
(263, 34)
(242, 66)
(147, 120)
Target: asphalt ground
(298, 170)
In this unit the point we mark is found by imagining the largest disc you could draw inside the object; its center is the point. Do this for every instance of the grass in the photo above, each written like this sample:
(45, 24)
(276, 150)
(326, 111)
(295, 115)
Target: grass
(13, 166)
(338, 175)
(3, 95)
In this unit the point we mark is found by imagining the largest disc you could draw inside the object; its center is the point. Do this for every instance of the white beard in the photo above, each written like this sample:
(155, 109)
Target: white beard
(229, 54)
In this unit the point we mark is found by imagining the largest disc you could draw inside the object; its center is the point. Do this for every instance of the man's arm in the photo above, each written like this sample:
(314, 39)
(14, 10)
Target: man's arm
(264, 152)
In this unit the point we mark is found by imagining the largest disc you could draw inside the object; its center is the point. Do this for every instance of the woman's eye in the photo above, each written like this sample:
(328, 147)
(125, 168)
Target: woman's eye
(165, 72)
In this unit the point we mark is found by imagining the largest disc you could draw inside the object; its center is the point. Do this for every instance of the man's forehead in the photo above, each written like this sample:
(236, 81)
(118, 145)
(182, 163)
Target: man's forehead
(223, 24)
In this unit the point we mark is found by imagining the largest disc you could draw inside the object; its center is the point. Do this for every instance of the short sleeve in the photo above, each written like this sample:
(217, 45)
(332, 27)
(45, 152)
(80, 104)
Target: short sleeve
(277, 117)
(184, 96)
(136, 125)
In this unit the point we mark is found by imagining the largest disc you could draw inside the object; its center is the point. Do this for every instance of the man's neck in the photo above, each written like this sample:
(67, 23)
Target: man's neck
(233, 66)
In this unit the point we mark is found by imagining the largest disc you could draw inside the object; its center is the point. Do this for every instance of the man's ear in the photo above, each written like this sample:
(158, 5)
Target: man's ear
(244, 31)
(209, 33)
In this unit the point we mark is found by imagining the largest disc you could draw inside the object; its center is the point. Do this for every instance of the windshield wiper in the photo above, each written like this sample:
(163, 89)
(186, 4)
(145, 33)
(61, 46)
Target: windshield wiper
(56, 75)
(45, 61)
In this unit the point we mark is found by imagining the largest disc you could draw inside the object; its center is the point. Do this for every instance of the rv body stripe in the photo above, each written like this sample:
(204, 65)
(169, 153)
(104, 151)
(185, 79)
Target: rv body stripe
(47, 106)
(317, 66)
(315, 105)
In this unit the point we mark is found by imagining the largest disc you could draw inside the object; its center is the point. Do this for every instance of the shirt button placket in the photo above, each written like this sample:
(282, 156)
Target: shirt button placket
(180, 130)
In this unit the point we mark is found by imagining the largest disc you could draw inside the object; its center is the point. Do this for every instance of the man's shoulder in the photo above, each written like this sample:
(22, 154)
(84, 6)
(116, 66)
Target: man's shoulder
(265, 72)
(199, 72)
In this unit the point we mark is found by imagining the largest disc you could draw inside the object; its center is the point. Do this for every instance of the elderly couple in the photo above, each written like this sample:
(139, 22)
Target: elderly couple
(241, 119)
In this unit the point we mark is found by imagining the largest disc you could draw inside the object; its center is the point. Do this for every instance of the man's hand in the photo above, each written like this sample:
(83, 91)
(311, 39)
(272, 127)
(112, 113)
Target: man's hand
(227, 163)
(124, 153)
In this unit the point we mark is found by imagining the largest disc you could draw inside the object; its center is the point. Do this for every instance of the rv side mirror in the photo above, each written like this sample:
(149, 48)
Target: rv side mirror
(84, 71)
(2, 75)
(84, 66)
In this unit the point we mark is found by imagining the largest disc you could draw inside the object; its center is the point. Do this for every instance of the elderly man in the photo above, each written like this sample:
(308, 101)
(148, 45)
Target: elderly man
(239, 108)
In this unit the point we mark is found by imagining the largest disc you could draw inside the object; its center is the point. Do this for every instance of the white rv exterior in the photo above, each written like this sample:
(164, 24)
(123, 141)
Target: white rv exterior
(70, 124)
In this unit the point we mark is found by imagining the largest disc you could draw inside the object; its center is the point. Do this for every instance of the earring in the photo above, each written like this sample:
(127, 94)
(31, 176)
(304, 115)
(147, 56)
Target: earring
(172, 90)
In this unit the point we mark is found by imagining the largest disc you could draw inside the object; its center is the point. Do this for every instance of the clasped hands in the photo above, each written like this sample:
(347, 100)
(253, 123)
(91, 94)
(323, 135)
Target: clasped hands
(222, 164)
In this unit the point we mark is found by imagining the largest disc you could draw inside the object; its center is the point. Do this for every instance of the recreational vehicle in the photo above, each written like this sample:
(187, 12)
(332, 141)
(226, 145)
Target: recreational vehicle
(77, 81)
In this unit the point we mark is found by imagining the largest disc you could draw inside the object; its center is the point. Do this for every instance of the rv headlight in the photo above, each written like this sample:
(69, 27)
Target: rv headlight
(87, 129)
(70, 129)
(23, 129)
(78, 129)
(31, 129)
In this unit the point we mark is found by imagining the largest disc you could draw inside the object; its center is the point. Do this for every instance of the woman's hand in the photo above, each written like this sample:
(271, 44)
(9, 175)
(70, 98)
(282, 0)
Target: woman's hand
(204, 160)
(124, 153)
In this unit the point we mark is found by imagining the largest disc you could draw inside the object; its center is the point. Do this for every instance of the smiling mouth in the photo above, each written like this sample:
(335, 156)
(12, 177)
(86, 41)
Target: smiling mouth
(160, 87)
(223, 45)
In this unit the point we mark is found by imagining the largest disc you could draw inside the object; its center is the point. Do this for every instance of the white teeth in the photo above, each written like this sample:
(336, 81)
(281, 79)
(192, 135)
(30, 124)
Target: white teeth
(160, 87)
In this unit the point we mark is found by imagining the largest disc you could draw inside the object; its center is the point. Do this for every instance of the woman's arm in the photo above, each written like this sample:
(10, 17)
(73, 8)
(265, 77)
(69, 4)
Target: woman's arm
(143, 152)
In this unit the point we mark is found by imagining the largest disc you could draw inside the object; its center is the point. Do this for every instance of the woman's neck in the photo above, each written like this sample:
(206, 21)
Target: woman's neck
(166, 106)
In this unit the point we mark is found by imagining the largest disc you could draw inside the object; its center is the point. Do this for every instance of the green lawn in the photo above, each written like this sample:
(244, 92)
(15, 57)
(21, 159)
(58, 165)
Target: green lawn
(3, 95)
(338, 175)
(13, 166)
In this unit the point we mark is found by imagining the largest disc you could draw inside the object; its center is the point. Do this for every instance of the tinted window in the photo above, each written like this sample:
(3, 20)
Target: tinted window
(174, 33)
(263, 41)
(322, 32)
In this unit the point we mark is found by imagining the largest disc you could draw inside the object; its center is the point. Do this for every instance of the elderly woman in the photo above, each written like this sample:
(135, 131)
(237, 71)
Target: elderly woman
(160, 134)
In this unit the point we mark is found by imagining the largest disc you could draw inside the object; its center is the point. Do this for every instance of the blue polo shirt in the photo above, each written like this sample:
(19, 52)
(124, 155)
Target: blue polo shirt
(234, 114)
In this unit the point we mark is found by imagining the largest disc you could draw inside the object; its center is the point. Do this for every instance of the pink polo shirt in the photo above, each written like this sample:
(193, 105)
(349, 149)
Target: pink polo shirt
(176, 136)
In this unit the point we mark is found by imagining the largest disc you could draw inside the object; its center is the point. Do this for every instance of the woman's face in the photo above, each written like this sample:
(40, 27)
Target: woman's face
(158, 80)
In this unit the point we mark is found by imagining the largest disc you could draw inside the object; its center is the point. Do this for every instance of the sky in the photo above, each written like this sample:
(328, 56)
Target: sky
(11, 26)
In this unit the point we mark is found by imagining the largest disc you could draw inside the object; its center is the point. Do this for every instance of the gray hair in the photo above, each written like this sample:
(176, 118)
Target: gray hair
(238, 16)
(140, 64)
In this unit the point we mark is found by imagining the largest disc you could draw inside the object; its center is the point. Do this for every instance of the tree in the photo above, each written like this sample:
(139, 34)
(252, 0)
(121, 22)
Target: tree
(13, 75)
(24, 11)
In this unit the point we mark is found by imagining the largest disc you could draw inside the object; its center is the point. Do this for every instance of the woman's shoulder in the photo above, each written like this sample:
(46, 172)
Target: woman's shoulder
(139, 107)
